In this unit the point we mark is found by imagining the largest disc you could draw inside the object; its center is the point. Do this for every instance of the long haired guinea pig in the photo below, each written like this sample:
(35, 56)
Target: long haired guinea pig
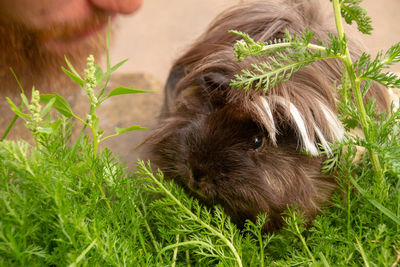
(252, 151)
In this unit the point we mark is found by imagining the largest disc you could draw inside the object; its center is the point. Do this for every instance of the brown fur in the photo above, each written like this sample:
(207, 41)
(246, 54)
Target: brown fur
(208, 135)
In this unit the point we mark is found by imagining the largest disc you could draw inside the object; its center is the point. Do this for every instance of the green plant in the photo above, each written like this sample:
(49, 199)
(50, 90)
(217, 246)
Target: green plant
(39, 123)
(294, 52)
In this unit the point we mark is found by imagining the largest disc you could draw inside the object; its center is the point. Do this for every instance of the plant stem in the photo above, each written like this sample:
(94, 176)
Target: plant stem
(187, 253)
(356, 86)
(146, 224)
(175, 252)
(300, 236)
(348, 208)
(21, 106)
(260, 242)
(194, 216)
(9, 127)
(105, 199)
(94, 126)
(289, 44)
(362, 252)
(95, 142)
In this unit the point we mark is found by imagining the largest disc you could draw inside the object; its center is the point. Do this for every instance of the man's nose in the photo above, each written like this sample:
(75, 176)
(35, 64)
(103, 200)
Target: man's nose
(118, 6)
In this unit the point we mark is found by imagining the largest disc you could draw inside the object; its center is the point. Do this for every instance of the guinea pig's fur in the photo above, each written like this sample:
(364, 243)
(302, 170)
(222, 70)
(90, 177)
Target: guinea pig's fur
(252, 151)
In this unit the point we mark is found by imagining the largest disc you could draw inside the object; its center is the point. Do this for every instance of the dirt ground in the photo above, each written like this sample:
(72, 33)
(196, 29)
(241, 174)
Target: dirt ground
(158, 33)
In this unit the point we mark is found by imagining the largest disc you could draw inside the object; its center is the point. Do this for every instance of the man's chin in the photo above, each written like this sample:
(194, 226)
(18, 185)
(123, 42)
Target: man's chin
(39, 63)
(65, 47)
(83, 40)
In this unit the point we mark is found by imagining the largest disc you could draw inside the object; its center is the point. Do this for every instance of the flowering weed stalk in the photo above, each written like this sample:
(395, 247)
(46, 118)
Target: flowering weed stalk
(94, 76)
(35, 115)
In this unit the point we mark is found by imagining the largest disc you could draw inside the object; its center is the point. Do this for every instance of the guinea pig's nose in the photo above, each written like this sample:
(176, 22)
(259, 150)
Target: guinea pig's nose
(198, 174)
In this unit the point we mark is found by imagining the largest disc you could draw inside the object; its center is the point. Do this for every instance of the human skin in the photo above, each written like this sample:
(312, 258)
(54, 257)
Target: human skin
(41, 15)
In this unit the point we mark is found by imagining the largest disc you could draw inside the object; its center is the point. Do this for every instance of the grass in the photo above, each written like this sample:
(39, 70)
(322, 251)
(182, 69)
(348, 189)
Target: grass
(64, 207)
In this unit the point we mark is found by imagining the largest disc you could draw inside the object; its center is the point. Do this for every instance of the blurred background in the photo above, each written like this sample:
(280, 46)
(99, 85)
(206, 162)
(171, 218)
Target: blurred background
(155, 35)
(160, 31)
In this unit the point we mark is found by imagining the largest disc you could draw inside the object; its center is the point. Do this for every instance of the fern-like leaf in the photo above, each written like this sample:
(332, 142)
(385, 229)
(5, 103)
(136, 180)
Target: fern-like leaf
(280, 68)
(372, 69)
(351, 11)
(283, 57)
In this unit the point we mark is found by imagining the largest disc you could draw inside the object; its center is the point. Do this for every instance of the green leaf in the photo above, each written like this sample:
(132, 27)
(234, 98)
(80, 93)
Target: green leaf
(74, 77)
(84, 252)
(323, 259)
(24, 100)
(72, 68)
(129, 129)
(60, 104)
(55, 125)
(351, 11)
(377, 205)
(45, 130)
(125, 90)
(385, 210)
(393, 54)
(99, 74)
(17, 110)
(267, 75)
(119, 64)
(47, 108)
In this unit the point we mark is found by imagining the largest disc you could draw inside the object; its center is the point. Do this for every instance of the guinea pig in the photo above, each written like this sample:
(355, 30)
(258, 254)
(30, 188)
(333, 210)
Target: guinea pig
(252, 151)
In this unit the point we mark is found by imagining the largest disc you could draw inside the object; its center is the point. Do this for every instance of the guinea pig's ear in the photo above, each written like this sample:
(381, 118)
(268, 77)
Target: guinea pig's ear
(215, 85)
(176, 74)
(214, 81)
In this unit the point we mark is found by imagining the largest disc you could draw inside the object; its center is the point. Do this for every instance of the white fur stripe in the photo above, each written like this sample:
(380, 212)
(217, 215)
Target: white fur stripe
(323, 141)
(268, 110)
(266, 116)
(334, 132)
(298, 120)
(336, 129)
(309, 146)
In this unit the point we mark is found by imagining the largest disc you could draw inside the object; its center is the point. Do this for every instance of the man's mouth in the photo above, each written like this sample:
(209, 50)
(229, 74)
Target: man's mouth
(66, 39)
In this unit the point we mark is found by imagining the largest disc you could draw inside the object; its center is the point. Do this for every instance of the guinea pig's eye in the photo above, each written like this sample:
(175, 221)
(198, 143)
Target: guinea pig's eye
(257, 142)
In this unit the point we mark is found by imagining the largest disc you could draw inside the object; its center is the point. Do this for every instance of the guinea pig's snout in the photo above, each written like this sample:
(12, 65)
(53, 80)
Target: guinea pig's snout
(198, 174)
(202, 182)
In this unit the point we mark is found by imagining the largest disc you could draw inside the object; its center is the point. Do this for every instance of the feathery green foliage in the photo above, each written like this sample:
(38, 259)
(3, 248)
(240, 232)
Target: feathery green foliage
(285, 57)
(351, 11)
(372, 70)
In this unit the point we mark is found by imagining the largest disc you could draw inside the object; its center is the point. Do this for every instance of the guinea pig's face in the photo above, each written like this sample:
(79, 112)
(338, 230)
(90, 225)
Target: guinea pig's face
(225, 157)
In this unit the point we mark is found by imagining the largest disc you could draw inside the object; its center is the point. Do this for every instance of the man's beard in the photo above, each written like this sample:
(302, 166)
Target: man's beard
(24, 50)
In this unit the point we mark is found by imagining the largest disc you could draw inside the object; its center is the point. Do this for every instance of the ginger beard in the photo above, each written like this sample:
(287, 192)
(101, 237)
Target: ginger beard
(36, 56)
